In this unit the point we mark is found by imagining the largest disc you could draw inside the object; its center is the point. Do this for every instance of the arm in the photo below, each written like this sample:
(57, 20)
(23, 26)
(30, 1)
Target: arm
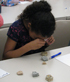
(9, 51)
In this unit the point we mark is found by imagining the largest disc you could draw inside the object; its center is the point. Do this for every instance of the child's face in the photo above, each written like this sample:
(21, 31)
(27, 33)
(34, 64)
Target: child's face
(35, 36)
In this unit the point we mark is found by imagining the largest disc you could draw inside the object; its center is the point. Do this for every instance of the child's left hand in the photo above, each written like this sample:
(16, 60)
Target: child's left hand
(50, 40)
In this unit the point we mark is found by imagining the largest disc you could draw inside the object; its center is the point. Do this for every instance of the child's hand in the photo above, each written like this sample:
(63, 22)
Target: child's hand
(50, 40)
(36, 44)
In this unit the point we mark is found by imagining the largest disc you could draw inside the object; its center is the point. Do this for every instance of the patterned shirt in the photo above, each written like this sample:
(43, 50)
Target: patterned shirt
(20, 34)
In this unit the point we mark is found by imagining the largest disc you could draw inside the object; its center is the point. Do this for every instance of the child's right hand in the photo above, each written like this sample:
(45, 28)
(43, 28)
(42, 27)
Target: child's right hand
(36, 44)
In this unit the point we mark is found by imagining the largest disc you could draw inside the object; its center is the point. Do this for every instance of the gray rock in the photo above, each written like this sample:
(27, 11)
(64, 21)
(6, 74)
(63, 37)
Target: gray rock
(35, 74)
(44, 58)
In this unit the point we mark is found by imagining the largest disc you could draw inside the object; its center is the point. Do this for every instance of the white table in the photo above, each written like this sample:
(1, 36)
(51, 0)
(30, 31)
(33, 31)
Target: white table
(60, 9)
(27, 64)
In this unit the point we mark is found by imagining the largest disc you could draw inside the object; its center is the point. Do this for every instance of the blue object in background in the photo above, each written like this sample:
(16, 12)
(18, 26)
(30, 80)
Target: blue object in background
(10, 2)
(0, 8)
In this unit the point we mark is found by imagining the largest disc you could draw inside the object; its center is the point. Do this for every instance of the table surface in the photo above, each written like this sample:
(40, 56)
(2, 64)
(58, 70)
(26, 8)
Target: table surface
(30, 63)
(60, 8)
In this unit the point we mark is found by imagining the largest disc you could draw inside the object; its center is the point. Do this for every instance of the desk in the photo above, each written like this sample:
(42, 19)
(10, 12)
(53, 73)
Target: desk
(27, 64)
(60, 9)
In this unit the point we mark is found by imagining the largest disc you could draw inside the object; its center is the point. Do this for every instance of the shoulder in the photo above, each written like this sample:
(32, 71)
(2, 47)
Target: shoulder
(15, 30)
(18, 25)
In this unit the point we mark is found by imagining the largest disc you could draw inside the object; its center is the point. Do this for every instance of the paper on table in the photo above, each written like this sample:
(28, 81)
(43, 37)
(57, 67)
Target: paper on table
(64, 59)
(3, 73)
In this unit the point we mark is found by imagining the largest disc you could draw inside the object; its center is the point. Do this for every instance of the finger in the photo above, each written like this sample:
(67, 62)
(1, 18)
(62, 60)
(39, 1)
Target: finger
(51, 39)
(50, 42)
(41, 42)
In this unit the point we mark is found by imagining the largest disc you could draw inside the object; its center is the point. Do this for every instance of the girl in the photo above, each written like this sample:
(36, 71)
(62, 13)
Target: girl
(27, 34)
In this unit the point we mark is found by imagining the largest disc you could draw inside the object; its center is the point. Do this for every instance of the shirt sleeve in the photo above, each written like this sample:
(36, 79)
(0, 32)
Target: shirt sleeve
(13, 33)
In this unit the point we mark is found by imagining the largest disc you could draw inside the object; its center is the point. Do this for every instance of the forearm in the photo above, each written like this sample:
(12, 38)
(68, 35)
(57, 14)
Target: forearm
(17, 52)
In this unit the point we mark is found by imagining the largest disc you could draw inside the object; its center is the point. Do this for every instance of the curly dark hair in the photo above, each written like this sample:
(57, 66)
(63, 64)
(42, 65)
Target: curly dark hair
(40, 16)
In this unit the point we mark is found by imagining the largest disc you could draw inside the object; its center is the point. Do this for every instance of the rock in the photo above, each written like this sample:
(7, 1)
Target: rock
(44, 53)
(35, 74)
(44, 58)
(49, 78)
(19, 73)
(44, 63)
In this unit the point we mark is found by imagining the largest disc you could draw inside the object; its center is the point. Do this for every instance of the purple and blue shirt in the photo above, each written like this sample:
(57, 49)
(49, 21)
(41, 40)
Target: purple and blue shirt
(20, 34)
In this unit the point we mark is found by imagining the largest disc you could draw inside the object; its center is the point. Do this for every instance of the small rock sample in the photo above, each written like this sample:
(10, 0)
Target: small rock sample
(19, 73)
(44, 58)
(44, 53)
(44, 63)
(35, 74)
(49, 78)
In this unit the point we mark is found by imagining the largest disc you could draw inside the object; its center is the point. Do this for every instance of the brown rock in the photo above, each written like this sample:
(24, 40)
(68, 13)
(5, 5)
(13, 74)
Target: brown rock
(19, 73)
(44, 63)
(49, 78)
(44, 53)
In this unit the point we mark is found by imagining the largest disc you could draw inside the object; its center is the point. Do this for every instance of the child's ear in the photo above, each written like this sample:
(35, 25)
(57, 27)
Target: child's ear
(29, 25)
